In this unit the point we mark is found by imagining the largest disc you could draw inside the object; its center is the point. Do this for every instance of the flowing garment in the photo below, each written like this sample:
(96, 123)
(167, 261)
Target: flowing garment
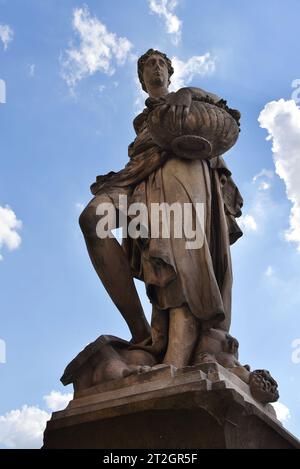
(200, 278)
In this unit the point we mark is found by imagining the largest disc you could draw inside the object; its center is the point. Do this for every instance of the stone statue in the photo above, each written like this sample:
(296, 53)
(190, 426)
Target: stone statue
(175, 158)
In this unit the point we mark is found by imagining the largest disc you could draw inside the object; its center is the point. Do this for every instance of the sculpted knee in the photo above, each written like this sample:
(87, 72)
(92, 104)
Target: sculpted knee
(88, 221)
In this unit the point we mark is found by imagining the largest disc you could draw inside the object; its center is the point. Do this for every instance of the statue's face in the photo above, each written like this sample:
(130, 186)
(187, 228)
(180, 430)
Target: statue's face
(155, 73)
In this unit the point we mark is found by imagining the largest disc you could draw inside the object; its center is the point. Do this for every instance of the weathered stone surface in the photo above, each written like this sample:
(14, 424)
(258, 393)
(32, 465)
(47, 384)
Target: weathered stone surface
(178, 382)
(203, 406)
(110, 358)
(175, 158)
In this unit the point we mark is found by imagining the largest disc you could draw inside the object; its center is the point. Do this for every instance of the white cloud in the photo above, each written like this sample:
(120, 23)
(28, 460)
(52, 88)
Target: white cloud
(282, 121)
(6, 35)
(264, 177)
(264, 186)
(98, 51)
(269, 272)
(31, 70)
(261, 210)
(282, 411)
(165, 9)
(101, 88)
(141, 96)
(23, 428)
(184, 72)
(248, 223)
(9, 224)
(57, 401)
(264, 173)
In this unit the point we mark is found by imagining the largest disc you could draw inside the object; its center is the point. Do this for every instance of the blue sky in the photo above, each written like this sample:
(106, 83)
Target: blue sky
(66, 120)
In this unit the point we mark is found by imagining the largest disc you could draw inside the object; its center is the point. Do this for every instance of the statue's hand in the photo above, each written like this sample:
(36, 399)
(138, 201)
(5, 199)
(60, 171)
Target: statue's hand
(179, 104)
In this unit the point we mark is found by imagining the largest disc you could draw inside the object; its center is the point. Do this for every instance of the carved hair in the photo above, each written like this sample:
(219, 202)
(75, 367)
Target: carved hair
(142, 60)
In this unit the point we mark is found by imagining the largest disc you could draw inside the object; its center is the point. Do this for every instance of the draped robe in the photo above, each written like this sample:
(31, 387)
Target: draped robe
(200, 278)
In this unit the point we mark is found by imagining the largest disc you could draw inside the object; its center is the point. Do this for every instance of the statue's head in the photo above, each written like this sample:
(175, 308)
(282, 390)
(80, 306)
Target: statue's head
(154, 69)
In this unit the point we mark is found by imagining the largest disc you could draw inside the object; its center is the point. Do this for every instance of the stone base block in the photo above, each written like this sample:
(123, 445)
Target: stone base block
(204, 406)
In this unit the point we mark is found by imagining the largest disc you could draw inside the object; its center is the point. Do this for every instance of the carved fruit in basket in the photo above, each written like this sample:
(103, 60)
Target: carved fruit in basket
(208, 131)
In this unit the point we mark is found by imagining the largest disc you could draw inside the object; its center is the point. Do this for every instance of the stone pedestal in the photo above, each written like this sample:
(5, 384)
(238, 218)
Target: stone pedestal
(204, 406)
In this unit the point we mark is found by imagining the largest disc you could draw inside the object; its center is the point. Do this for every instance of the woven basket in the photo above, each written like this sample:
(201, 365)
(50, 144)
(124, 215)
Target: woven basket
(208, 131)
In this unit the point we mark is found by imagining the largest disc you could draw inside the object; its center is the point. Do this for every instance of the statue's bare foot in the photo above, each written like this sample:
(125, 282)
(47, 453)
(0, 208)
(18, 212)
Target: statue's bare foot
(136, 370)
(159, 366)
(263, 387)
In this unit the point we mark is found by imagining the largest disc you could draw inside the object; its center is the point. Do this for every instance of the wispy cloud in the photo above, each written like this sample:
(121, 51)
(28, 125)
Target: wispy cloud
(6, 35)
(269, 272)
(98, 50)
(9, 226)
(261, 208)
(31, 70)
(282, 121)
(79, 206)
(264, 178)
(185, 71)
(165, 10)
(264, 173)
(101, 88)
(247, 223)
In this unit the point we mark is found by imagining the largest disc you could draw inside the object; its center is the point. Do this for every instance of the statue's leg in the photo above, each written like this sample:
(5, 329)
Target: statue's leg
(159, 329)
(157, 343)
(113, 269)
(184, 331)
